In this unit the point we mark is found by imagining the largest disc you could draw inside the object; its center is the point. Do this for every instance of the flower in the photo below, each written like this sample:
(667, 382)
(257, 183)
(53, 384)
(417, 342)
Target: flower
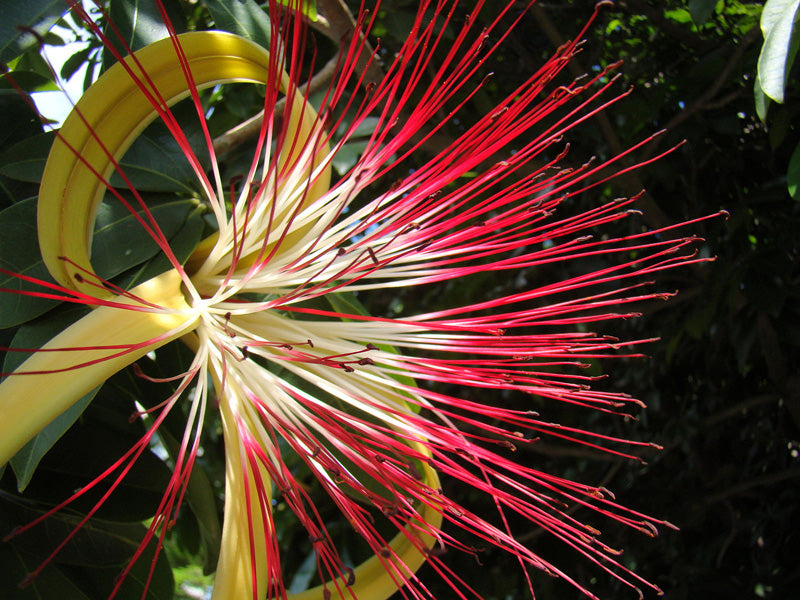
(281, 345)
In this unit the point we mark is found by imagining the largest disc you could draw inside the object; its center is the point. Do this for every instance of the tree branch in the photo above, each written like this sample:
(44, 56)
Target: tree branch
(768, 479)
(250, 128)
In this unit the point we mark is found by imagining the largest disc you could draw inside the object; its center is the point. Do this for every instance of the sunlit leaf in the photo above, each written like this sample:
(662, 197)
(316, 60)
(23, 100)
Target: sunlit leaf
(779, 49)
(242, 17)
(309, 7)
(138, 23)
(31, 15)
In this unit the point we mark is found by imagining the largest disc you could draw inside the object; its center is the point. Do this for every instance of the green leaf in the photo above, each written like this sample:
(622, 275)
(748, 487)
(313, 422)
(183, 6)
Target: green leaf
(28, 81)
(793, 174)
(120, 242)
(304, 574)
(36, 15)
(701, 10)
(155, 162)
(775, 12)
(347, 156)
(75, 62)
(138, 23)
(51, 584)
(34, 62)
(201, 500)
(182, 243)
(24, 462)
(25, 160)
(19, 253)
(242, 17)
(679, 15)
(90, 562)
(102, 434)
(309, 7)
(19, 119)
(778, 51)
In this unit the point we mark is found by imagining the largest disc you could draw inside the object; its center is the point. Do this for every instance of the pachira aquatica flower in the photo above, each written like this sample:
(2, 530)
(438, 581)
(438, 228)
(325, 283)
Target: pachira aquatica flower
(278, 289)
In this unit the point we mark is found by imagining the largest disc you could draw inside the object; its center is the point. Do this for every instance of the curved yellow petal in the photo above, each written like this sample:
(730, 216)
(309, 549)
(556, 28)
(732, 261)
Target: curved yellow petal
(235, 576)
(375, 579)
(112, 113)
(378, 578)
(28, 402)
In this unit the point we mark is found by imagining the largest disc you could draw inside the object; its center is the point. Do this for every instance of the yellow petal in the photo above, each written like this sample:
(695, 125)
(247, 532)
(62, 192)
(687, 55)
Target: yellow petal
(235, 576)
(111, 114)
(375, 579)
(29, 402)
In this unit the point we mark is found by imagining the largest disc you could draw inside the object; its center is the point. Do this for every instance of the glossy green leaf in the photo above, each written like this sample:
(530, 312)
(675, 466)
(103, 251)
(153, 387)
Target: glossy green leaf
(304, 574)
(25, 461)
(35, 63)
(309, 7)
(120, 242)
(156, 163)
(138, 23)
(762, 101)
(75, 62)
(19, 254)
(101, 435)
(25, 160)
(90, 562)
(159, 586)
(182, 243)
(52, 584)
(778, 51)
(28, 81)
(19, 119)
(242, 17)
(201, 500)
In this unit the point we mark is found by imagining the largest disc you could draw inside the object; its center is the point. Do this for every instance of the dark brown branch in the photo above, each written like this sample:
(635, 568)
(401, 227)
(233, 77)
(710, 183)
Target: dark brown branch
(340, 27)
(764, 480)
(250, 128)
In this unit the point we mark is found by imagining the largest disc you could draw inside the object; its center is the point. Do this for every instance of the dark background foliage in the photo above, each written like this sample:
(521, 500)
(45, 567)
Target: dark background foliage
(721, 387)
